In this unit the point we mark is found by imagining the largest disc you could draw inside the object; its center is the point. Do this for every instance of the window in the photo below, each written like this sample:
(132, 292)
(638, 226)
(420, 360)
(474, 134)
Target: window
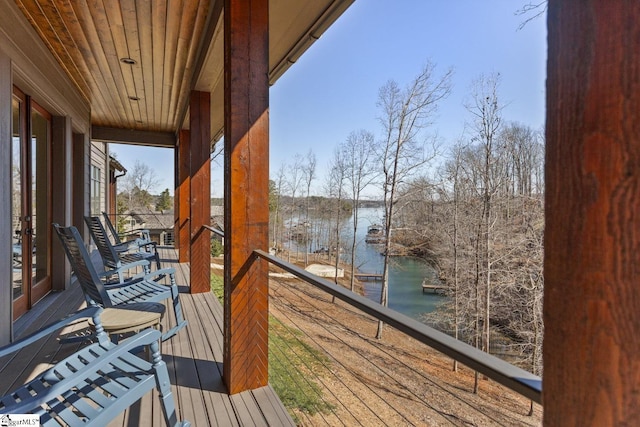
(96, 190)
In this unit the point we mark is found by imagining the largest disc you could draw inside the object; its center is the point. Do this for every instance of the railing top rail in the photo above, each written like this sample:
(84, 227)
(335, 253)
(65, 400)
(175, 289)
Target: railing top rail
(512, 377)
(215, 230)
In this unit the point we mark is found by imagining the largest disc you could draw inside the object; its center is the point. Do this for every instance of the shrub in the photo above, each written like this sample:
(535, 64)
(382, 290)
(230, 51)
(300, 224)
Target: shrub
(216, 247)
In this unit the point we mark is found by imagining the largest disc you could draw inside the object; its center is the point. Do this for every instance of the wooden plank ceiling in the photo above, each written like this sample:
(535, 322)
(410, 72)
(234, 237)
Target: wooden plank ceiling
(136, 61)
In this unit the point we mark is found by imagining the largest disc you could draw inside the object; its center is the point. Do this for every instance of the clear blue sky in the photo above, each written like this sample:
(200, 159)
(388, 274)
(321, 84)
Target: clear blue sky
(332, 90)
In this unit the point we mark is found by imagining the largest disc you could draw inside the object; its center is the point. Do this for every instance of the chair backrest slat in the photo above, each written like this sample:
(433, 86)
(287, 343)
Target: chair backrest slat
(99, 235)
(82, 266)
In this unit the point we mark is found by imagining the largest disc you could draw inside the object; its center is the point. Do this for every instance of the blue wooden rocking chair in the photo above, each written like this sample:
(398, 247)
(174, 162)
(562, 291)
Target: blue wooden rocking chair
(95, 384)
(111, 258)
(141, 289)
(141, 242)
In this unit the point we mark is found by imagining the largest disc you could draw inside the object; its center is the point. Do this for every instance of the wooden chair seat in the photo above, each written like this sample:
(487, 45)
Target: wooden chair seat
(126, 318)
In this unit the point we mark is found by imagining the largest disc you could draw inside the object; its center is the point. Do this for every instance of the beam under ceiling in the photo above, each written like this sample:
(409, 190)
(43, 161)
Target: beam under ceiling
(133, 137)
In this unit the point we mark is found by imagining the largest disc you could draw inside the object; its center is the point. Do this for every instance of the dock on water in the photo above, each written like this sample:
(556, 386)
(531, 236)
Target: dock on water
(436, 289)
(368, 276)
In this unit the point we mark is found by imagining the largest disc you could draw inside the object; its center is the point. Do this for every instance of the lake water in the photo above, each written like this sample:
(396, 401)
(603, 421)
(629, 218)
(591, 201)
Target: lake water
(405, 274)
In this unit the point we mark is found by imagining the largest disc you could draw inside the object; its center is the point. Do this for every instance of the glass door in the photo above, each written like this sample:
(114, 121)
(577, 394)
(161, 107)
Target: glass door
(18, 260)
(31, 204)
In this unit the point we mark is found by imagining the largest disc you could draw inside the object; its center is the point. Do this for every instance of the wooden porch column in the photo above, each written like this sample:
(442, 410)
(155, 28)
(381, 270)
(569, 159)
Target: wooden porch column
(200, 193)
(80, 152)
(592, 235)
(246, 193)
(60, 195)
(183, 199)
(176, 196)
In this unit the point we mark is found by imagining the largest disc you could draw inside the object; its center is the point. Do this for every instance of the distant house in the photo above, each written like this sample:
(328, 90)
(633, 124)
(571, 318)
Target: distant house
(217, 221)
(159, 224)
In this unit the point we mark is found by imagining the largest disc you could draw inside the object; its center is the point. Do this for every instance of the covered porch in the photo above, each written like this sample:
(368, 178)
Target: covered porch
(155, 74)
(592, 193)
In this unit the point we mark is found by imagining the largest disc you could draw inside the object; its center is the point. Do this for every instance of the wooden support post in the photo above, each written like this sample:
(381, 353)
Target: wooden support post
(592, 234)
(200, 194)
(60, 186)
(80, 153)
(246, 193)
(112, 195)
(183, 204)
(176, 197)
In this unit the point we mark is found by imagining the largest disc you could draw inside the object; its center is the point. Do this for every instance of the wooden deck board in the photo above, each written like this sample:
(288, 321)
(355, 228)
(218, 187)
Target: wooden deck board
(221, 410)
(190, 396)
(193, 357)
(274, 408)
(46, 311)
(146, 407)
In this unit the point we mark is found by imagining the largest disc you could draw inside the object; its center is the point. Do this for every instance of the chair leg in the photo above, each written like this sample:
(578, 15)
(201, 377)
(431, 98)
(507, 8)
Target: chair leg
(163, 384)
(181, 322)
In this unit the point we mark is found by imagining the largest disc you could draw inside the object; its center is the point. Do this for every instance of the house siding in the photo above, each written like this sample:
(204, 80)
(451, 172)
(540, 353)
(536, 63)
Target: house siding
(100, 160)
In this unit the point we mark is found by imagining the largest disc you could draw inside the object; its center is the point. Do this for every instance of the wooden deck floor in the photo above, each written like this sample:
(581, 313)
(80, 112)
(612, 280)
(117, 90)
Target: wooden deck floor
(193, 356)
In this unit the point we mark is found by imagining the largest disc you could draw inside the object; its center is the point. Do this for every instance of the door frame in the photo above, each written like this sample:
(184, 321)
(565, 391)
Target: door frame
(32, 292)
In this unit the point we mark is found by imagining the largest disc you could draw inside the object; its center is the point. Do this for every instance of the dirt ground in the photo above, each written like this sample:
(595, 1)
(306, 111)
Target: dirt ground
(393, 381)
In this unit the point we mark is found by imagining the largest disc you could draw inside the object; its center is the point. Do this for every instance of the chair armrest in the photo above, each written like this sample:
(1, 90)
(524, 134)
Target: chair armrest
(93, 312)
(142, 231)
(163, 271)
(137, 244)
(125, 246)
(147, 246)
(111, 284)
(153, 277)
(123, 268)
(144, 242)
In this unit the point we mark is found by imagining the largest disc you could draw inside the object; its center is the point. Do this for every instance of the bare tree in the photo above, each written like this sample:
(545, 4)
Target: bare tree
(309, 172)
(336, 182)
(488, 229)
(524, 152)
(453, 175)
(404, 114)
(486, 119)
(531, 11)
(294, 181)
(279, 183)
(360, 170)
(515, 267)
(138, 184)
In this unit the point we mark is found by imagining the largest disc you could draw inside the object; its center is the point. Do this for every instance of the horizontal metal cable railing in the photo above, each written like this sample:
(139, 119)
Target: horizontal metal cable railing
(512, 377)
(377, 380)
(329, 369)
